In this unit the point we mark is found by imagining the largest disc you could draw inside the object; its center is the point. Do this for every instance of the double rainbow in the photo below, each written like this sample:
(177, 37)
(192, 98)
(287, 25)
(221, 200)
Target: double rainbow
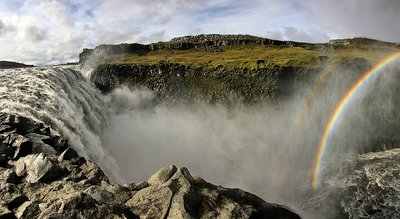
(340, 108)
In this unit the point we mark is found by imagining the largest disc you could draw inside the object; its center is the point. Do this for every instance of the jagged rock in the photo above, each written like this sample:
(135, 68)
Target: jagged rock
(47, 179)
(99, 194)
(11, 196)
(58, 143)
(8, 176)
(75, 205)
(38, 168)
(182, 196)
(151, 202)
(27, 210)
(138, 186)
(38, 145)
(93, 173)
(124, 194)
(24, 125)
(68, 154)
(162, 175)
(22, 146)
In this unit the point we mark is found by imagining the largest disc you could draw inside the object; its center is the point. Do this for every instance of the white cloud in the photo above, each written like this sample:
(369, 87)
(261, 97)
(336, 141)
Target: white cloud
(30, 30)
(56, 12)
(350, 18)
(300, 35)
(42, 31)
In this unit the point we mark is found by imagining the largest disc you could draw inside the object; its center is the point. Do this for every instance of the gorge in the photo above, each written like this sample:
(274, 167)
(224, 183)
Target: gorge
(240, 111)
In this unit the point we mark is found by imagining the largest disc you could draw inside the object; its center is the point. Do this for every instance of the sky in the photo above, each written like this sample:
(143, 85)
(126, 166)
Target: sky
(55, 31)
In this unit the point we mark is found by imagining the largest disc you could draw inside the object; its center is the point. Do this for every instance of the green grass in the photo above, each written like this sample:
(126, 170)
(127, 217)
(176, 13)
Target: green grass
(247, 56)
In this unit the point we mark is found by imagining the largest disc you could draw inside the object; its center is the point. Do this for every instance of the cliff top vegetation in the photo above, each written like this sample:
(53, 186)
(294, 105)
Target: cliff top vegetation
(243, 51)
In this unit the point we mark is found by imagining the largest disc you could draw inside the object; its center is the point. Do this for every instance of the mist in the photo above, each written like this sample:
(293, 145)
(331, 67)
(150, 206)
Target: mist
(268, 149)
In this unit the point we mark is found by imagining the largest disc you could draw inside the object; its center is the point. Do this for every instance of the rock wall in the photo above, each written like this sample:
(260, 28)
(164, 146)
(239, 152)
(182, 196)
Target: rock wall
(229, 86)
(174, 82)
(42, 177)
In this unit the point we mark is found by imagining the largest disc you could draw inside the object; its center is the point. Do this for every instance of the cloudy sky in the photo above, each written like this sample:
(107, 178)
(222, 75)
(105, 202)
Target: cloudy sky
(53, 31)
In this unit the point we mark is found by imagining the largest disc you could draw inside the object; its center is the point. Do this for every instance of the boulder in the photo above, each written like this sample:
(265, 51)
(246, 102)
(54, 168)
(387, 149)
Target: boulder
(151, 202)
(38, 168)
(68, 154)
(181, 196)
(93, 173)
(162, 175)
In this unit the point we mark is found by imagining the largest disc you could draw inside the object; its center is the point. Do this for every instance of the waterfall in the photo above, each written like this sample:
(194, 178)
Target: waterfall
(62, 98)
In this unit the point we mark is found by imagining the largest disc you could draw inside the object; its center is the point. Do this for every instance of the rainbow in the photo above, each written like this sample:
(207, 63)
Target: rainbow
(308, 102)
(339, 111)
(300, 116)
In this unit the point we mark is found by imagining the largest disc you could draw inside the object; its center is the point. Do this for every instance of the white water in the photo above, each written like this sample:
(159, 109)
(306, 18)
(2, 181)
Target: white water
(62, 98)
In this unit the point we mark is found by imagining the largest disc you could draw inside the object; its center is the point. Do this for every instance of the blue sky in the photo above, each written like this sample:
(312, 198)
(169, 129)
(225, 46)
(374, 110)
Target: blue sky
(53, 31)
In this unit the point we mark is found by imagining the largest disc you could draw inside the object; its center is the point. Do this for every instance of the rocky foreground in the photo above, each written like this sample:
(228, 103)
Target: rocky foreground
(42, 177)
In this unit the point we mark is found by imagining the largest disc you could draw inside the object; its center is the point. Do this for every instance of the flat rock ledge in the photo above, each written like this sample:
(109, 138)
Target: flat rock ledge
(42, 177)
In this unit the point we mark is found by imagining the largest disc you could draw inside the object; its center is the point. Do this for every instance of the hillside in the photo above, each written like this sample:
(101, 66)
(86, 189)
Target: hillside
(238, 51)
(7, 64)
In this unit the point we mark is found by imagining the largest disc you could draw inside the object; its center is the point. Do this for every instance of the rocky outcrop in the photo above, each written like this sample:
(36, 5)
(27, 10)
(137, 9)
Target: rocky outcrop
(7, 64)
(229, 86)
(175, 82)
(42, 177)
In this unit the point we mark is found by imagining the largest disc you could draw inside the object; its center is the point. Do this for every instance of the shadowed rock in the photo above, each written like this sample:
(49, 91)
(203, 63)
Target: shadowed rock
(179, 195)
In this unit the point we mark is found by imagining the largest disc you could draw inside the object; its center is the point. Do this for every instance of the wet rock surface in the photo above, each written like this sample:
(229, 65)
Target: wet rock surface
(41, 177)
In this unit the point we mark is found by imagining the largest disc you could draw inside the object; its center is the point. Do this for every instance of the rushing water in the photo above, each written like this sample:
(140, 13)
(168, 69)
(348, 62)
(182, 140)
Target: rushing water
(62, 98)
(233, 147)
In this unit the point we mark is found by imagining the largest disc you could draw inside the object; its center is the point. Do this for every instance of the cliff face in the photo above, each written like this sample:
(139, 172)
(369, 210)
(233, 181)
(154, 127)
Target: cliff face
(175, 82)
(227, 68)
(42, 177)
